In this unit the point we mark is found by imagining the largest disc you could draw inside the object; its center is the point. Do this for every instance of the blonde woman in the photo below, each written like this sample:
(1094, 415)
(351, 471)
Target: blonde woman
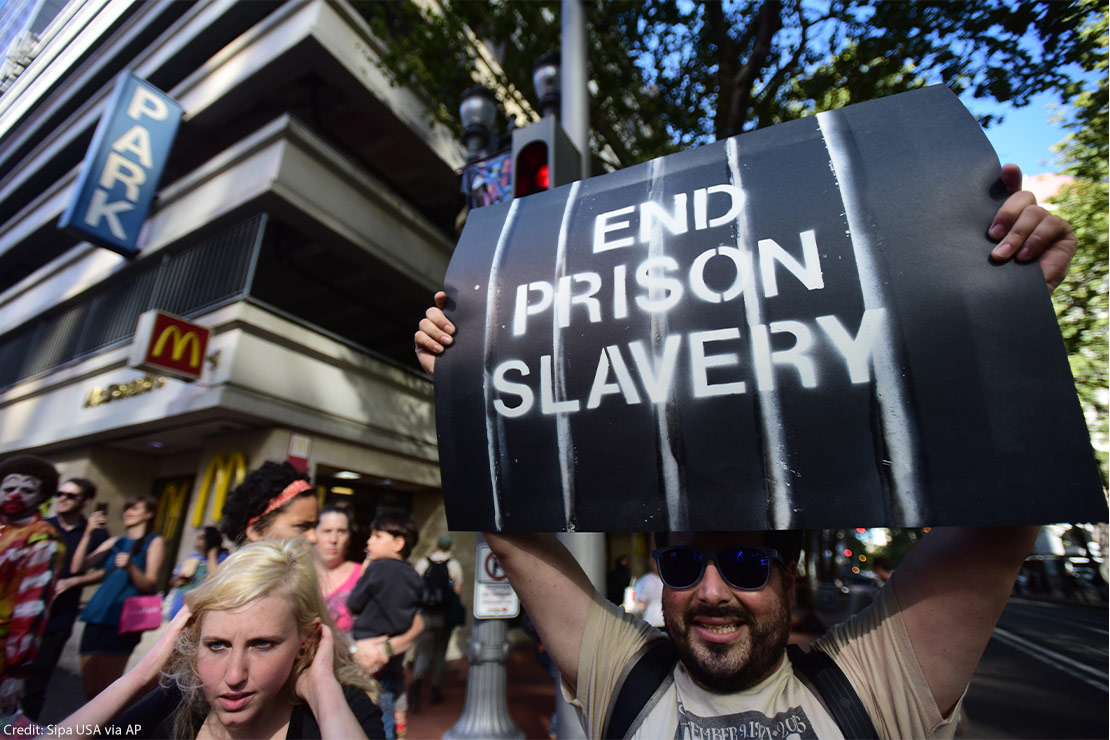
(253, 655)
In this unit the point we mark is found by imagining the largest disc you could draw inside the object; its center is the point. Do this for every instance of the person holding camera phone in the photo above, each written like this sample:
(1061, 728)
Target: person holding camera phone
(252, 655)
(131, 564)
(69, 519)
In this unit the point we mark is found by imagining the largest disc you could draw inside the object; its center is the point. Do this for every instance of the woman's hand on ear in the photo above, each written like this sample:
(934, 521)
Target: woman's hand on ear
(159, 654)
(320, 689)
(322, 668)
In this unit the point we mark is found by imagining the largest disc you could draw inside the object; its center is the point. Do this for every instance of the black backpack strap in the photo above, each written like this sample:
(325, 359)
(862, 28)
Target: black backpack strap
(832, 686)
(649, 675)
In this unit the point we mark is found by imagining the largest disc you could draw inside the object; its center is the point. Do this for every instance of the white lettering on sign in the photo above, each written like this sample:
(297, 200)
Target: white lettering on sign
(676, 220)
(574, 297)
(128, 164)
(143, 103)
(136, 141)
(119, 169)
(625, 370)
(99, 207)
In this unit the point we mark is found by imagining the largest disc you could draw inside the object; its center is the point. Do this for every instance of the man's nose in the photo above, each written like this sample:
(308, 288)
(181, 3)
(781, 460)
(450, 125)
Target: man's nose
(712, 588)
(310, 535)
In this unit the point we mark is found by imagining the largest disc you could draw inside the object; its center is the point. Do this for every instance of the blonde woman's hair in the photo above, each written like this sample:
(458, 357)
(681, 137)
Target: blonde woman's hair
(271, 568)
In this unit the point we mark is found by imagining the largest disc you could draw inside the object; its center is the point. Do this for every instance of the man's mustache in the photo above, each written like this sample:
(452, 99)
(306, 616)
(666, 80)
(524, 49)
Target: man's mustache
(731, 611)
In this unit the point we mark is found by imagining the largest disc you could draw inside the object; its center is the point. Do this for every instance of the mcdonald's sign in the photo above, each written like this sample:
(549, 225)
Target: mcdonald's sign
(220, 475)
(171, 505)
(169, 345)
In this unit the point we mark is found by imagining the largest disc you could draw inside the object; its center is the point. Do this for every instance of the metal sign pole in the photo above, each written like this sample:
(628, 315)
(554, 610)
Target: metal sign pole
(486, 711)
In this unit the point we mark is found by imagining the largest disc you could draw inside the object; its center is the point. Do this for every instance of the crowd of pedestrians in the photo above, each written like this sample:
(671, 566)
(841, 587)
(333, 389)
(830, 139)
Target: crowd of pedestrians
(228, 612)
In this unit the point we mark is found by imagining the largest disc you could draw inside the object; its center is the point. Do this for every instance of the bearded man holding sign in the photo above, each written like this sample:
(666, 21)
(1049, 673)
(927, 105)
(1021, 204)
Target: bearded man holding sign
(728, 595)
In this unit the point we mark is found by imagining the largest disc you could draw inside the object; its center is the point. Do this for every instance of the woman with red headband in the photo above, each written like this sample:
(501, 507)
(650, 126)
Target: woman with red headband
(277, 502)
(273, 502)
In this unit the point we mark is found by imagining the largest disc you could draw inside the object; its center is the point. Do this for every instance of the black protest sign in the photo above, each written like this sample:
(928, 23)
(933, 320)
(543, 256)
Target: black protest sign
(796, 327)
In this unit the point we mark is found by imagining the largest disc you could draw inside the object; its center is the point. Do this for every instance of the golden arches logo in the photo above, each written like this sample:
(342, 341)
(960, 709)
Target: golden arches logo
(221, 475)
(180, 342)
(171, 502)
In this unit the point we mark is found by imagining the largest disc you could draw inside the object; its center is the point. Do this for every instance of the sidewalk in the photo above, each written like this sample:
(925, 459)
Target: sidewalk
(531, 695)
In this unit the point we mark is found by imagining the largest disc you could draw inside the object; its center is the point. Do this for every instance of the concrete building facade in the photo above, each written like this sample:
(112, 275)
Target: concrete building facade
(305, 217)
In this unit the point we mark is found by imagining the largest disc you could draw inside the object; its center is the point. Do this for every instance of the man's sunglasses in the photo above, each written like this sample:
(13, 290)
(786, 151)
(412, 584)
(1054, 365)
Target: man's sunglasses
(744, 568)
(70, 496)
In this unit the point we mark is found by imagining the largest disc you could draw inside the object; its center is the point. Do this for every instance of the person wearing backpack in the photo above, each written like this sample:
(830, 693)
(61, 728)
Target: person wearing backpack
(442, 576)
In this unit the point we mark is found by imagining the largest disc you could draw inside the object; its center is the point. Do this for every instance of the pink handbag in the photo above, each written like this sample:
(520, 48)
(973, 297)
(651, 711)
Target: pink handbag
(140, 613)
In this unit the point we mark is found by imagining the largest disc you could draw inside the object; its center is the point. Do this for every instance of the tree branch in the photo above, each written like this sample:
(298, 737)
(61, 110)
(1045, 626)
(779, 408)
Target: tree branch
(768, 22)
(787, 68)
(726, 61)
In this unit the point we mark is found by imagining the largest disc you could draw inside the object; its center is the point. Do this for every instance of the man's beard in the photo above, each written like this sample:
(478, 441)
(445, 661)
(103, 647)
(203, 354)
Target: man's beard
(736, 666)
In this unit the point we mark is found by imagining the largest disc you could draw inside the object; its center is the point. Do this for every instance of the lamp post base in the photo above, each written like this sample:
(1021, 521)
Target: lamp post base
(486, 712)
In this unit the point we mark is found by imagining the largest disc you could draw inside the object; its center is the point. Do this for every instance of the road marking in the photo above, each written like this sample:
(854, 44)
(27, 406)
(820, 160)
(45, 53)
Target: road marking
(1040, 607)
(1085, 673)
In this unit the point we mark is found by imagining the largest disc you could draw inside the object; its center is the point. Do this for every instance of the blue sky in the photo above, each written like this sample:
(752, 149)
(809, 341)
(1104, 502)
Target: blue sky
(1027, 135)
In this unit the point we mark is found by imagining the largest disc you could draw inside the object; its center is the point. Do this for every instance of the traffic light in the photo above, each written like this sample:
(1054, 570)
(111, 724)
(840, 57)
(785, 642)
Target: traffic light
(543, 158)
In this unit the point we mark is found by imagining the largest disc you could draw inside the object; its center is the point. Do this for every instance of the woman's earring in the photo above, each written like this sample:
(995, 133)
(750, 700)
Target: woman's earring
(301, 653)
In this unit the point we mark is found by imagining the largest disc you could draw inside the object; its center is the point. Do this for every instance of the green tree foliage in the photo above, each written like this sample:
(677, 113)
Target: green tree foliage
(1081, 301)
(668, 74)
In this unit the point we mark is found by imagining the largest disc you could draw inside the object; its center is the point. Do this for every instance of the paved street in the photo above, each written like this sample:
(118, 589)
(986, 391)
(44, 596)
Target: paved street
(1043, 675)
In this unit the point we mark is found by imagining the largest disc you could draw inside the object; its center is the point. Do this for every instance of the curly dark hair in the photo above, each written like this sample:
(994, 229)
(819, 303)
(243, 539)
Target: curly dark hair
(35, 467)
(212, 538)
(251, 497)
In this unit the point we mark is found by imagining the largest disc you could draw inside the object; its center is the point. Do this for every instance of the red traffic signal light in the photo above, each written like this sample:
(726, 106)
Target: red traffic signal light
(543, 158)
(542, 177)
(532, 170)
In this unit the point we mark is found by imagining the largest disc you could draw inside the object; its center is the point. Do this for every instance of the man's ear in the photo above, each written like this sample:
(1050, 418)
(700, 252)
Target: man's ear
(789, 580)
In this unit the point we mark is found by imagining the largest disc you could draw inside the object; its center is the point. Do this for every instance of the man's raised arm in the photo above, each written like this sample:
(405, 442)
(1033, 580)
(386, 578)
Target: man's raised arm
(553, 589)
(952, 588)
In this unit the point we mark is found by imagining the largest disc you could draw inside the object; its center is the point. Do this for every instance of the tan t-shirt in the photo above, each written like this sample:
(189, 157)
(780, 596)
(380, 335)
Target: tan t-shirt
(873, 650)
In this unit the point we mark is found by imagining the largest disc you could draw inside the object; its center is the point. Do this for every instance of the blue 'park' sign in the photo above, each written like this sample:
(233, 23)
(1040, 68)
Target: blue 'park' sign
(122, 168)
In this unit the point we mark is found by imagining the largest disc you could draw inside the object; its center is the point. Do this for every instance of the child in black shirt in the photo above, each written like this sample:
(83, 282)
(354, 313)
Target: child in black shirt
(387, 597)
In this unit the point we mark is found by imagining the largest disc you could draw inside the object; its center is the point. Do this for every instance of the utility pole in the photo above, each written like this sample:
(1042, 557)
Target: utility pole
(588, 548)
(576, 95)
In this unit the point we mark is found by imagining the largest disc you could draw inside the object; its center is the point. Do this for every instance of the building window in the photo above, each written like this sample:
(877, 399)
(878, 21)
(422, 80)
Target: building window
(190, 281)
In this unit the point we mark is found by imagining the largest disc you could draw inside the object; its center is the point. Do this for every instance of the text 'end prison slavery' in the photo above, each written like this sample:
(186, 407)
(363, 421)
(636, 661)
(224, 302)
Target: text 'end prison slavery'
(713, 359)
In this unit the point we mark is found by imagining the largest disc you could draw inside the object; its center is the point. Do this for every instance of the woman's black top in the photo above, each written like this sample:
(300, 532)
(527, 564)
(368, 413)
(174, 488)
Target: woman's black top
(152, 716)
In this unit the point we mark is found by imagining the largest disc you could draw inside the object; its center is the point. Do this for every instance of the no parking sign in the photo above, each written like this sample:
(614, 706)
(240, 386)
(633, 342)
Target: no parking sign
(494, 597)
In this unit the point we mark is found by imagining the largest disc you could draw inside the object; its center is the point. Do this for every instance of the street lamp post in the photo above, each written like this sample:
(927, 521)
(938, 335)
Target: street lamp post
(546, 80)
(478, 113)
(486, 711)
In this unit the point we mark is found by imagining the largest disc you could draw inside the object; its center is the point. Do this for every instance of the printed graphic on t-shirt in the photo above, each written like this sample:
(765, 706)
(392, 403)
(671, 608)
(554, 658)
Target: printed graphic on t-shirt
(788, 725)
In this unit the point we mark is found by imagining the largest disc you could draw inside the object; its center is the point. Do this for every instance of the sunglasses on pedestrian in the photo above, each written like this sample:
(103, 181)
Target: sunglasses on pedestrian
(744, 568)
(67, 496)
